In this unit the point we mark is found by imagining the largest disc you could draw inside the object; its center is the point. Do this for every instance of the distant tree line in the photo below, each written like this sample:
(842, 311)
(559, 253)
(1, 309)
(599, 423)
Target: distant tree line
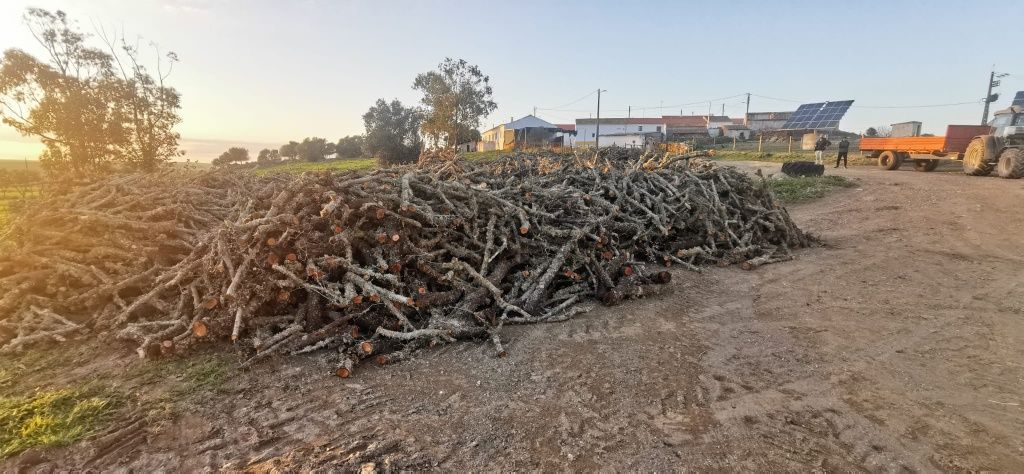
(456, 97)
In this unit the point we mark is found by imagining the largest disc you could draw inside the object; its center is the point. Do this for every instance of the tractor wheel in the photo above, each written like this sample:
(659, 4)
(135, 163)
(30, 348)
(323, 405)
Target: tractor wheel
(889, 160)
(926, 165)
(1011, 163)
(977, 161)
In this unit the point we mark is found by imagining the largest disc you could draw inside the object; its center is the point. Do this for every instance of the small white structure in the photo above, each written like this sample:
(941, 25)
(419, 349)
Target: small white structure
(741, 132)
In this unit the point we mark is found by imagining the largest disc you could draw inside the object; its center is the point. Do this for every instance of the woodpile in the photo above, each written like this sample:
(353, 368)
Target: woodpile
(374, 265)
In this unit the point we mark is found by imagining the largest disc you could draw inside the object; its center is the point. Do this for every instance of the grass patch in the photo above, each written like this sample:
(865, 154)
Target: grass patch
(186, 376)
(303, 166)
(482, 155)
(208, 375)
(830, 159)
(50, 418)
(796, 190)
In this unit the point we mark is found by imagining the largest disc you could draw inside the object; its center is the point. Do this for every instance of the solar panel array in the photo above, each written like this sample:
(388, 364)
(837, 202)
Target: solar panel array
(1019, 99)
(818, 116)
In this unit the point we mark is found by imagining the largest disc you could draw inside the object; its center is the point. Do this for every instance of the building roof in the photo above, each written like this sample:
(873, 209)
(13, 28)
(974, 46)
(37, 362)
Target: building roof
(569, 127)
(735, 126)
(529, 121)
(667, 120)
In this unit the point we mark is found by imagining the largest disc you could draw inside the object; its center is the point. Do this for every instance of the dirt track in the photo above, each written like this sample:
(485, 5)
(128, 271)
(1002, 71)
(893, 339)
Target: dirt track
(897, 346)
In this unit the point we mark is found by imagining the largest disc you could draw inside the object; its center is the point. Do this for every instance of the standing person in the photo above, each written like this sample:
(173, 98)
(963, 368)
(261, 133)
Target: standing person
(819, 150)
(844, 149)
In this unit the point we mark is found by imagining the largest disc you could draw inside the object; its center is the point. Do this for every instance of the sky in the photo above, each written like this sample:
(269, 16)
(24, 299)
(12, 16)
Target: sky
(258, 73)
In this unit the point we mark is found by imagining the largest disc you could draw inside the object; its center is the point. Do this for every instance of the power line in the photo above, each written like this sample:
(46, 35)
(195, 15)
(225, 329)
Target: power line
(560, 107)
(951, 104)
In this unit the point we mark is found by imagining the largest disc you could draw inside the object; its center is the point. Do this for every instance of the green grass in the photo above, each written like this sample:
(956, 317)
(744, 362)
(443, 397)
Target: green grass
(782, 157)
(208, 375)
(51, 418)
(483, 155)
(797, 190)
(303, 166)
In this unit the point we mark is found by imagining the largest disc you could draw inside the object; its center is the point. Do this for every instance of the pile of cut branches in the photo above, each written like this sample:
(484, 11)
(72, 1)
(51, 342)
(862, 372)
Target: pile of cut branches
(380, 263)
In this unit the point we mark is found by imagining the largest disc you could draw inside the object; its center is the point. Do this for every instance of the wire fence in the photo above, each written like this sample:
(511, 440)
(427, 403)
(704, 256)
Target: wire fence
(773, 145)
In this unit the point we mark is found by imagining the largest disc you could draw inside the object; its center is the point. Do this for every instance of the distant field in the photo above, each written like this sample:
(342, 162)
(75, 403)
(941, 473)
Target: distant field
(9, 197)
(303, 166)
(19, 165)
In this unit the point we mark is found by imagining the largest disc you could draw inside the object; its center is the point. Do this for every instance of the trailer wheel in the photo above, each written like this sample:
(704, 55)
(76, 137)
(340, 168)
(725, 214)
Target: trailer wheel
(926, 165)
(1011, 163)
(977, 159)
(889, 160)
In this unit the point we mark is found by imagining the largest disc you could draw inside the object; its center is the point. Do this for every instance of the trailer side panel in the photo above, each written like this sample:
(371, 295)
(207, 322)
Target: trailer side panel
(958, 136)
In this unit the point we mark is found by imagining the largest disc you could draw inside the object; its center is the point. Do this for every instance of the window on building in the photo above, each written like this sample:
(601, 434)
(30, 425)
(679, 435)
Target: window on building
(591, 135)
(640, 128)
(657, 129)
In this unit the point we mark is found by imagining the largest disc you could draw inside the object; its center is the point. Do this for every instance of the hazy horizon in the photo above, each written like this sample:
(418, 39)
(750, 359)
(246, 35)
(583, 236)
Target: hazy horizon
(258, 74)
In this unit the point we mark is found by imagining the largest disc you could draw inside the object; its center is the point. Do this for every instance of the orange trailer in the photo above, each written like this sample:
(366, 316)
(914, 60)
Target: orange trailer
(926, 152)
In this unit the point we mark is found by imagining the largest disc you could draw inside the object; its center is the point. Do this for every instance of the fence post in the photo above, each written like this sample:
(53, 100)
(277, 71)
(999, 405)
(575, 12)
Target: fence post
(760, 138)
(733, 143)
(791, 143)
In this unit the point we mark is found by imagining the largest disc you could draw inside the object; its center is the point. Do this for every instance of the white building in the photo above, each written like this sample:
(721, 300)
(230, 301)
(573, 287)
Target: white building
(638, 131)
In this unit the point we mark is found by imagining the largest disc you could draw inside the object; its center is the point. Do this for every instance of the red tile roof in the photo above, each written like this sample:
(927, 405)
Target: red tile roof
(566, 126)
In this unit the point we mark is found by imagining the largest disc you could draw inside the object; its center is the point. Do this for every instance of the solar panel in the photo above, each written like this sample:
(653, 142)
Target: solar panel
(1019, 99)
(819, 115)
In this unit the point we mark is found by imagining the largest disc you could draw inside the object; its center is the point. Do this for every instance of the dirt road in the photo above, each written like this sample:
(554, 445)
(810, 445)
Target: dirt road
(894, 347)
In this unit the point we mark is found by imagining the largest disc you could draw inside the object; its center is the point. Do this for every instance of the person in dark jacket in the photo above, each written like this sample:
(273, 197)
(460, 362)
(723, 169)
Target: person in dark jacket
(819, 150)
(844, 149)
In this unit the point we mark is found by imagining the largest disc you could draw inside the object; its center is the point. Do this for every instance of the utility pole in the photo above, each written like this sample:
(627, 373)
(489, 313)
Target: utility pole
(629, 111)
(745, 119)
(597, 134)
(535, 111)
(723, 110)
(993, 81)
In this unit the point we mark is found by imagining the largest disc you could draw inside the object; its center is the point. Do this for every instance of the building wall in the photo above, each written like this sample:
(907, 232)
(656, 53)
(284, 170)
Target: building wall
(585, 132)
(767, 120)
(765, 124)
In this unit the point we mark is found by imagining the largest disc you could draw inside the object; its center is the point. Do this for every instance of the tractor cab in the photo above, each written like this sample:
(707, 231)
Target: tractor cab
(1009, 124)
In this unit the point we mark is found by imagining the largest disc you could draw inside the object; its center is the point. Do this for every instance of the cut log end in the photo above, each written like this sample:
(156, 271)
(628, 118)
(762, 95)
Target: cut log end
(366, 348)
(662, 277)
(200, 329)
(524, 230)
(343, 372)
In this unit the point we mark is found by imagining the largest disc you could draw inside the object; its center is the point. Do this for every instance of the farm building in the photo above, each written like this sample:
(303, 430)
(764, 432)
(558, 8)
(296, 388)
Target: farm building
(758, 121)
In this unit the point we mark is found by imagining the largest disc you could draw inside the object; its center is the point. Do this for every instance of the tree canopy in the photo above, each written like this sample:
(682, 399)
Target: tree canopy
(314, 149)
(392, 132)
(350, 146)
(91, 107)
(290, 150)
(456, 97)
(233, 155)
(267, 155)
